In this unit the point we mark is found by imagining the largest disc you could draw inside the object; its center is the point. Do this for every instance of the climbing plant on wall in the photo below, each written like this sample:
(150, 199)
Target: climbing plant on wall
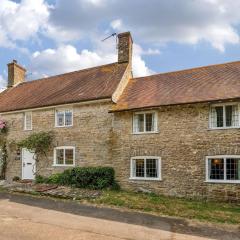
(3, 149)
(39, 143)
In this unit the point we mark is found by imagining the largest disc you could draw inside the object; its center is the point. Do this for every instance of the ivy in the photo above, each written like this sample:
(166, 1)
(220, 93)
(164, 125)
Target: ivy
(3, 148)
(3, 160)
(39, 143)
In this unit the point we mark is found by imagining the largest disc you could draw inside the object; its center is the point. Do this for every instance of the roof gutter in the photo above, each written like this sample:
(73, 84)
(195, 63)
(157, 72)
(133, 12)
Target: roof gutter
(100, 100)
(174, 104)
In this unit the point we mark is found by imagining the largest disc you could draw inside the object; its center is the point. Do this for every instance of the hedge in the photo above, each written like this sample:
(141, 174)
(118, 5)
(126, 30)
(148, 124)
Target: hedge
(83, 177)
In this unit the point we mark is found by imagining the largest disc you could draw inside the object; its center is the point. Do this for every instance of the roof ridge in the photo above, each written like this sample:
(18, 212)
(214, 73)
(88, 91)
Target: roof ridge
(63, 74)
(188, 69)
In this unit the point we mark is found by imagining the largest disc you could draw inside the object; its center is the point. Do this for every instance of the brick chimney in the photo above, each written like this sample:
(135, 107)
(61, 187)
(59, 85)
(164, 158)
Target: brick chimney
(16, 74)
(125, 43)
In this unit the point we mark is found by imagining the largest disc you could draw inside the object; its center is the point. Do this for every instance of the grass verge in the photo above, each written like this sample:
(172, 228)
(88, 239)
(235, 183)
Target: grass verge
(170, 206)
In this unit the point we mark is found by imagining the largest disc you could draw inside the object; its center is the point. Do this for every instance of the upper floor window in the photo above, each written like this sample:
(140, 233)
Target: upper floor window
(64, 156)
(28, 121)
(224, 116)
(145, 168)
(145, 122)
(64, 118)
(223, 169)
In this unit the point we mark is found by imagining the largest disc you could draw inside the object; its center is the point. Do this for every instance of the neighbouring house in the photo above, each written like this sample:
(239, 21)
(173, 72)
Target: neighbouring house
(174, 133)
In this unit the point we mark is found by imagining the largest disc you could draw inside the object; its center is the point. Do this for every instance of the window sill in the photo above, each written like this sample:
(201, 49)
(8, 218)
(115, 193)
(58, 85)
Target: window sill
(26, 130)
(64, 126)
(145, 179)
(58, 165)
(223, 128)
(140, 133)
(223, 181)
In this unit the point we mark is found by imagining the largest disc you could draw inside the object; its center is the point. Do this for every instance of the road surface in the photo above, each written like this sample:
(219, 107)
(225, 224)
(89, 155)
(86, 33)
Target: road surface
(31, 218)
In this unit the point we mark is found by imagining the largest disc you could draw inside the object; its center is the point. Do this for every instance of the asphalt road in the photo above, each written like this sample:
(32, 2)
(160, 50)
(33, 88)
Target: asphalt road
(31, 218)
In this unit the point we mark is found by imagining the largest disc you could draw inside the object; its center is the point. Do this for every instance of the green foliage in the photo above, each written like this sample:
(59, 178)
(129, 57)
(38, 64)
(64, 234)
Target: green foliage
(85, 177)
(55, 178)
(16, 178)
(37, 142)
(40, 179)
(115, 186)
(4, 159)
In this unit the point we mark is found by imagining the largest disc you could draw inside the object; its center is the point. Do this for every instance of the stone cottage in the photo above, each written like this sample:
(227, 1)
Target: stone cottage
(174, 133)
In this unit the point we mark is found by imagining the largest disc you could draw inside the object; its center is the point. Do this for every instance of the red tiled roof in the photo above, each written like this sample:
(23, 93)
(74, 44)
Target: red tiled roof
(88, 84)
(203, 84)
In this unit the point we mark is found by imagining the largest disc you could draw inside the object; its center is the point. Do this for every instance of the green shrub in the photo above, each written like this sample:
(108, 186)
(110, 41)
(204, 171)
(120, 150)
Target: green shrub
(115, 186)
(41, 179)
(84, 177)
(55, 178)
(16, 178)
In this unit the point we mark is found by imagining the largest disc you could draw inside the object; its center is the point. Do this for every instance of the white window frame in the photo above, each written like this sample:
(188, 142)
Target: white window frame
(55, 156)
(25, 121)
(63, 110)
(224, 115)
(159, 170)
(225, 175)
(144, 113)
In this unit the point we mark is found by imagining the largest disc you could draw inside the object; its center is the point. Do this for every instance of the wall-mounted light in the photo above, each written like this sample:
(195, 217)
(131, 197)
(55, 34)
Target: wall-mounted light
(217, 161)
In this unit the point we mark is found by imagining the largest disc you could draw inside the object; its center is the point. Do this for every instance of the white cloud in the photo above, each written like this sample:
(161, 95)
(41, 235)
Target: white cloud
(157, 22)
(21, 21)
(3, 83)
(137, 49)
(66, 58)
(60, 34)
(116, 24)
(140, 68)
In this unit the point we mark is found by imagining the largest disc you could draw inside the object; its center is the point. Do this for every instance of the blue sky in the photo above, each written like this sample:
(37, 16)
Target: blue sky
(54, 36)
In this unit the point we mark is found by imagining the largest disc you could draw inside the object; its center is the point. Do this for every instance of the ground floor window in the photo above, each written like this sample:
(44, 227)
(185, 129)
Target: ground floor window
(148, 168)
(64, 156)
(223, 169)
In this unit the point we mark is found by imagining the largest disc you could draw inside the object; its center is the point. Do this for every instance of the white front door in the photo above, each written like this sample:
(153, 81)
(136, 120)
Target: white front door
(28, 164)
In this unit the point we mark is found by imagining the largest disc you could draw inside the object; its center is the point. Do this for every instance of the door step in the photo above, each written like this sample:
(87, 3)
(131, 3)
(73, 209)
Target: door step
(26, 181)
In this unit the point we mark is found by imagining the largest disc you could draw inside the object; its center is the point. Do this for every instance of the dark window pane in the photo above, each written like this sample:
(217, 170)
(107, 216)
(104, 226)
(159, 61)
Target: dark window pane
(60, 118)
(69, 156)
(233, 168)
(140, 122)
(149, 122)
(219, 112)
(68, 118)
(59, 157)
(151, 166)
(216, 169)
(229, 116)
(139, 168)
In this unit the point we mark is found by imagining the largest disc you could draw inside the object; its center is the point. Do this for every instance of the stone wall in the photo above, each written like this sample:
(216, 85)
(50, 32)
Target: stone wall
(104, 139)
(90, 134)
(183, 142)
